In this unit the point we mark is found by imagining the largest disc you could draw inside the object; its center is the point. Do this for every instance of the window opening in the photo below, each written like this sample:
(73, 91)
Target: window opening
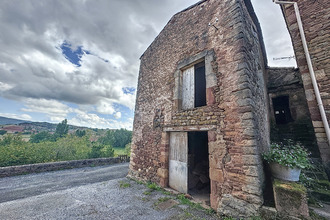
(282, 110)
(200, 85)
(194, 86)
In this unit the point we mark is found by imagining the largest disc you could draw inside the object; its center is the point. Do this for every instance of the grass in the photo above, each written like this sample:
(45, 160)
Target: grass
(119, 151)
(123, 184)
(185, 201)
(146, 193)
(154, 186)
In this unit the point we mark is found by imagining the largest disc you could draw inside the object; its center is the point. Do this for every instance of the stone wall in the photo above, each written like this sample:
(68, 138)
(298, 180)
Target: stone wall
(235, 116)
(44, 167)
(316, 22)
(287, 82)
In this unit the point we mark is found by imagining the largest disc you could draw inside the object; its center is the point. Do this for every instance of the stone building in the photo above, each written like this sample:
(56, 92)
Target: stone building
(203, 111)
(316, 23)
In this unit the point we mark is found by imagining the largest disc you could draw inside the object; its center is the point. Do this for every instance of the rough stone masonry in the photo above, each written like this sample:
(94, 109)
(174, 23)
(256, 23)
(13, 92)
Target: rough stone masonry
(206, 73)
(226, 37)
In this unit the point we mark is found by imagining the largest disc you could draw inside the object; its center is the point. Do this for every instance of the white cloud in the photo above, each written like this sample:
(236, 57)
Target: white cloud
(95, 121)
(117, 115)
(113, 34)
(16, 116)
(105, 107)
(55, 110)
(4, 86)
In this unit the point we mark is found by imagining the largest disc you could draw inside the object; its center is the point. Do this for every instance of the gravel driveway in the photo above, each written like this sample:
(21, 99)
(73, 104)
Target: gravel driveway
(80, 194)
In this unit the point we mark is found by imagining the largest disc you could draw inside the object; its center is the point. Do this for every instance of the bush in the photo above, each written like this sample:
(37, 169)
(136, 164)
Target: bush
(128, 149)
(289, 155)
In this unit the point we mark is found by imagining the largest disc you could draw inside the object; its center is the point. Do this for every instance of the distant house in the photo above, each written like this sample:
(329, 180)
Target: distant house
(208, 105)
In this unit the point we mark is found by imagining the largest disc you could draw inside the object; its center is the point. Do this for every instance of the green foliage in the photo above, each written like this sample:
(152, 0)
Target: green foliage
(42, 136)
(80, 133)
(185, 201)
(123, 184)
(289, 155)
(2, 132)
(147, 192)
(62, 129)
(99, 150)
(107, 151)
(128, 149)
(11, 139)
(153, 186)
(116, 138)
(45, 147)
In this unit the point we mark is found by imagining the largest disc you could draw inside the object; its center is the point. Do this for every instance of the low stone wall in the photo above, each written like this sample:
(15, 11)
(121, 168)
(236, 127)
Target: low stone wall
(43, 167)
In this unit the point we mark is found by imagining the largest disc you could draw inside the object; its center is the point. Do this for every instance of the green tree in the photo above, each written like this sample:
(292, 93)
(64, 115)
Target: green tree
(107, 151)
(128, 149)
(116, 138)
(96, 150)
(80, 133)
(2, 132)
(62, 129)
(42, 136)
(11, 139)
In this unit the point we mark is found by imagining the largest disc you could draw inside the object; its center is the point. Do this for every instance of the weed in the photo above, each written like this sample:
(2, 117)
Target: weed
(188, 214)
(123, 184)
(163, 199)
(160, 200)
(210, 211)
(145, 199)
(153, 186)
(147, 193)
(185, 201)
(167, 193)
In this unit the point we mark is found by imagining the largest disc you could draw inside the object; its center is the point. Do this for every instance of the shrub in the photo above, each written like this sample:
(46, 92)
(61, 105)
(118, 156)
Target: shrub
(289, 155)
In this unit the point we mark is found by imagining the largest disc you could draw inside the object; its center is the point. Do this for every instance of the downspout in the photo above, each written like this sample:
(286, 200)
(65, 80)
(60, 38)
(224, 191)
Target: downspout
(310, 67)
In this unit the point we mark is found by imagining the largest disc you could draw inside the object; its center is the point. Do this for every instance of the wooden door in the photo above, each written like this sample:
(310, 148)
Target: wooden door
(188, 88)
(178, 161)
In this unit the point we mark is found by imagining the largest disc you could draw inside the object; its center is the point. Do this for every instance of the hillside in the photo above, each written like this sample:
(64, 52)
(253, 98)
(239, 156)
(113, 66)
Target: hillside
(11, 121)
(12, 125)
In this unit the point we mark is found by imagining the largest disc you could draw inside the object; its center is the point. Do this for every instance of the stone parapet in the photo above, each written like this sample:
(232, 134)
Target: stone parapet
(44, 167)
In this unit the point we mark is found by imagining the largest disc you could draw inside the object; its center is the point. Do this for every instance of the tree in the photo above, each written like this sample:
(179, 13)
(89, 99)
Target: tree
(122, 137)
(62, 129)
(117, 138)
(80, 133)
(2, 132)
(42, 136)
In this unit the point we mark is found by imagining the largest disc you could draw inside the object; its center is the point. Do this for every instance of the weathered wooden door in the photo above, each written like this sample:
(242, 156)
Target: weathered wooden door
(188, 88)
(178, 161)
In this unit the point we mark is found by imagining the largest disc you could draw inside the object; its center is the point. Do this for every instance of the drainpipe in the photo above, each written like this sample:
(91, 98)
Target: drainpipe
(310, 67)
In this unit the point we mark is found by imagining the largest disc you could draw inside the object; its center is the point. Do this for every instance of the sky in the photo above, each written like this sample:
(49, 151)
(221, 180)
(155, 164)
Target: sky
(79, 59)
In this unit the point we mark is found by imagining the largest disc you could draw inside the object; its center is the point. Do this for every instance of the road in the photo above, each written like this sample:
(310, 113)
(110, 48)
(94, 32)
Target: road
(88, 193)
(19, 187)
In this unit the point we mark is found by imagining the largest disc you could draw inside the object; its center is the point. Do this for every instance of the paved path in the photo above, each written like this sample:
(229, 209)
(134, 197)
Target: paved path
(87, 193)
(18, 187)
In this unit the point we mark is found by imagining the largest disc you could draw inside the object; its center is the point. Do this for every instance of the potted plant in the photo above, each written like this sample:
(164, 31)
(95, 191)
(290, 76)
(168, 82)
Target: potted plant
(287, 160)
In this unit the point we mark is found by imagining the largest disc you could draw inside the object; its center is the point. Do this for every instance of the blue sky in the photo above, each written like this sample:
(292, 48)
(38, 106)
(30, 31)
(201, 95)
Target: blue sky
(80, 59)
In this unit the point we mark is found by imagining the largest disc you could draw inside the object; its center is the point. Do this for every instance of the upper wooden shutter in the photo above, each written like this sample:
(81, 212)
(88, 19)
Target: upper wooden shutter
(188, 88)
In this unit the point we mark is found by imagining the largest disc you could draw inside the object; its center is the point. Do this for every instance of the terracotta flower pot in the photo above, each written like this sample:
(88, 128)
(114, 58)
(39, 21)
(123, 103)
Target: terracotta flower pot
(284, 173)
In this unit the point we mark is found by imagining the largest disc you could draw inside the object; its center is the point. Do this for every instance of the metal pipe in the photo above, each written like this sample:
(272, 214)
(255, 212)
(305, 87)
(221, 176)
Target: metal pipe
(310, 67)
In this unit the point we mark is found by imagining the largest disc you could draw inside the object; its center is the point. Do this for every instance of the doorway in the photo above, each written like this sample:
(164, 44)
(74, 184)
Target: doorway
(198, 167)
(189, 164)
